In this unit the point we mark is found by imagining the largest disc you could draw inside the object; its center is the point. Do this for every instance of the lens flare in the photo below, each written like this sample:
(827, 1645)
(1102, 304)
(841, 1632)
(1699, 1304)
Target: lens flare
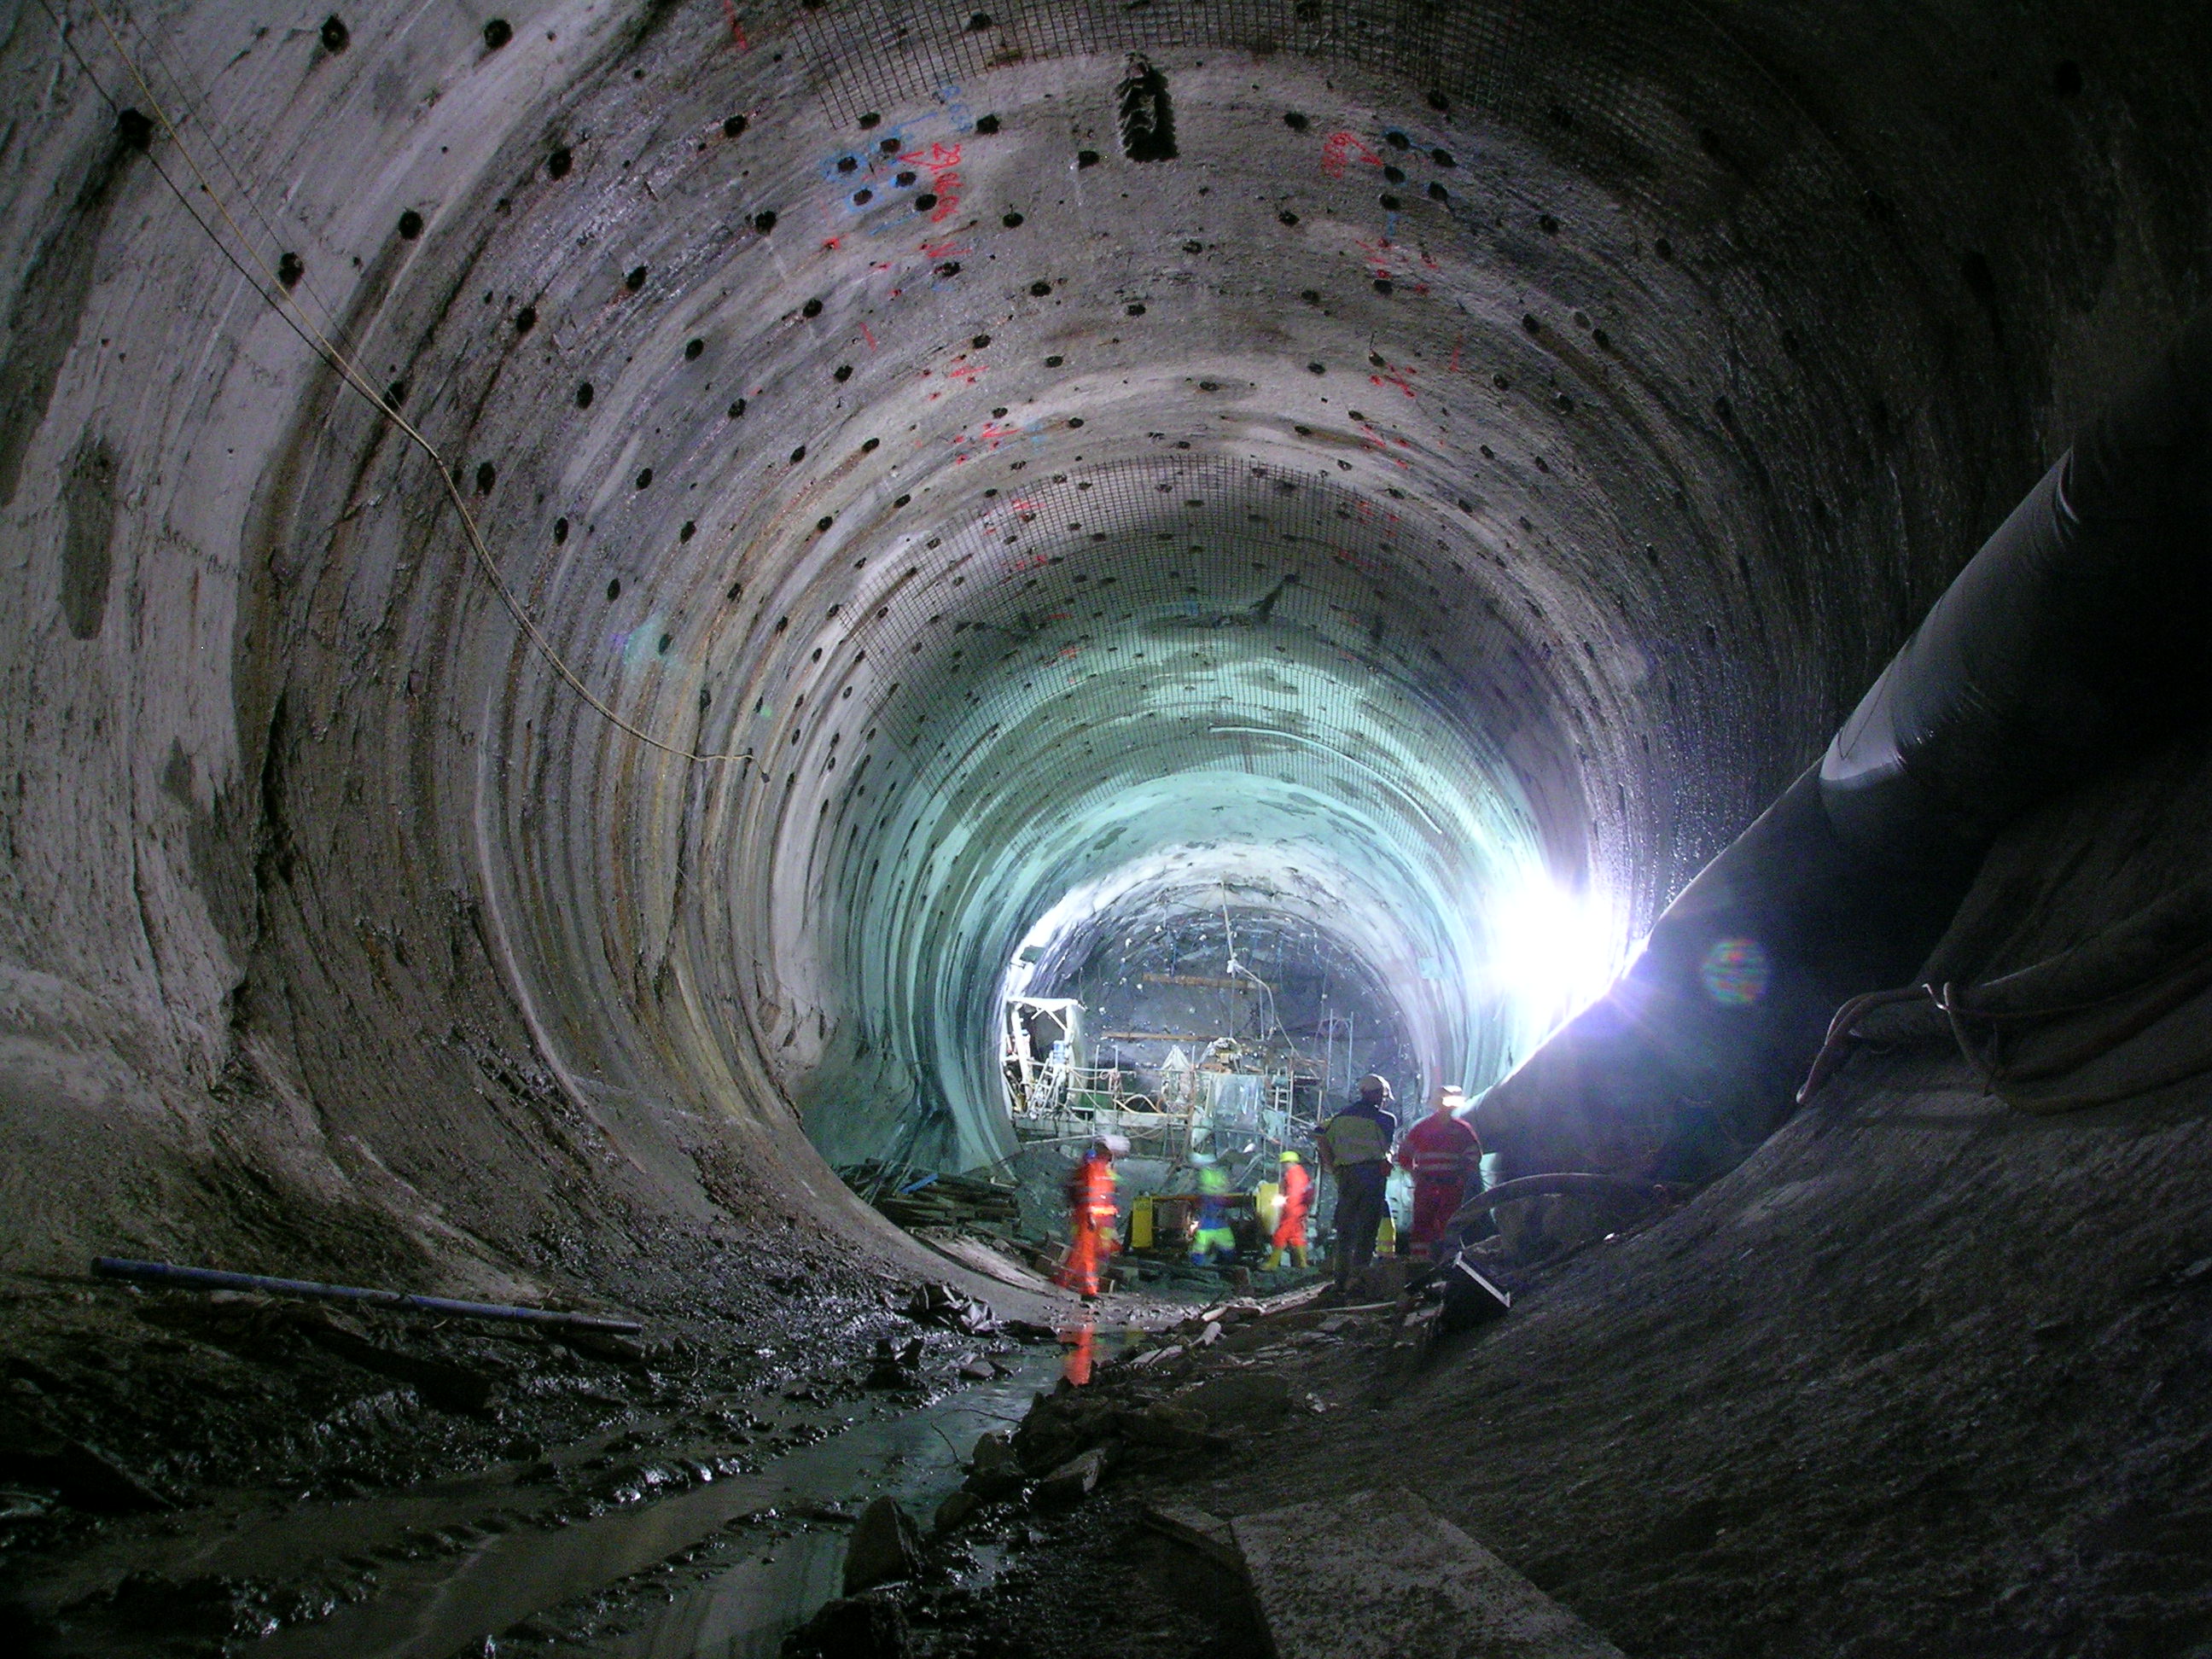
(1736, 972)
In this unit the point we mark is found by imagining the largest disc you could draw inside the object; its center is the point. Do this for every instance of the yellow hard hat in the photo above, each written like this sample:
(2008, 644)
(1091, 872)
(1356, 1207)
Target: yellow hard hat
(1289, 1158)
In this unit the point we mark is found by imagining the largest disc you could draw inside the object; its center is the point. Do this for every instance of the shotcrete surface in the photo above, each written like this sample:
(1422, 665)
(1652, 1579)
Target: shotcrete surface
(1486, 460)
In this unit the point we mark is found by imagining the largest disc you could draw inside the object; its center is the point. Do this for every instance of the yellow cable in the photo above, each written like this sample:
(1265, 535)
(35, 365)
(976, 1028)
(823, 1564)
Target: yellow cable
(279, 295)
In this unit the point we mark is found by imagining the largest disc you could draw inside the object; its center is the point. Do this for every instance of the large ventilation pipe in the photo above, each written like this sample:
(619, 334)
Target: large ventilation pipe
(2074, 635)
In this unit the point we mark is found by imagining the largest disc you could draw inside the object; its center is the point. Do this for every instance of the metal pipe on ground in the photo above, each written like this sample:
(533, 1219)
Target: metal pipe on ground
(209, 1278)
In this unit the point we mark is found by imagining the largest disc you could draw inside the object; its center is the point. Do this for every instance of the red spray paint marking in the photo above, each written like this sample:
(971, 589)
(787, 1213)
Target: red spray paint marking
(737, 29)
(869, 335)
(964, 373)
(943, 160)
(1394, 375)
(1341, 149)
(1389, 262)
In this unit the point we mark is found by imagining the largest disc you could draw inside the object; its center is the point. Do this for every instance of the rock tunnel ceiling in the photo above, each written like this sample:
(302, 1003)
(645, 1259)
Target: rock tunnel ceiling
(1468, 463)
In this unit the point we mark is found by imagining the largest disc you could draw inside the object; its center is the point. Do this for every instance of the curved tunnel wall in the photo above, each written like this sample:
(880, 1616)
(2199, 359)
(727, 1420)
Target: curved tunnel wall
(1536, 509)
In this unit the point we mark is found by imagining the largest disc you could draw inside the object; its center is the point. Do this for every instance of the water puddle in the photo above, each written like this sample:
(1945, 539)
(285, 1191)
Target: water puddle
(710, 1537)
(744, 1586)
(1088, 1347)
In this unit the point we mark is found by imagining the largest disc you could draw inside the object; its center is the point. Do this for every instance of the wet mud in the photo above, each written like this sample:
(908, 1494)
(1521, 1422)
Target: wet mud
(193, 1474)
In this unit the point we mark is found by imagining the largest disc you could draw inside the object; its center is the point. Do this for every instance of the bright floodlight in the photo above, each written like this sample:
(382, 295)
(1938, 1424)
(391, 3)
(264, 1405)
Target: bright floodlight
(1553, 953)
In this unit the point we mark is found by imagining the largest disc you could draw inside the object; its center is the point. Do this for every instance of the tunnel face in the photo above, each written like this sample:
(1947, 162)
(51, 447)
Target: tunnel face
(1427, 479)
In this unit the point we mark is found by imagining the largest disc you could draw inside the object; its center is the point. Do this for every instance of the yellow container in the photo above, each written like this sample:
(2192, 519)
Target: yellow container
(1141, 1223)
(1267, 1200)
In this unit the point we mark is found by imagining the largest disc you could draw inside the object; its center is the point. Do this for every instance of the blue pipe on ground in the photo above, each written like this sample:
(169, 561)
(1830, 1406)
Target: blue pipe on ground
(209, 1278)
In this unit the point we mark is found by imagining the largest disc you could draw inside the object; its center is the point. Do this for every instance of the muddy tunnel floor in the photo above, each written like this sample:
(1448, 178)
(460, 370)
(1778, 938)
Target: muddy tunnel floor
(196, 1473)
(1731, 1429)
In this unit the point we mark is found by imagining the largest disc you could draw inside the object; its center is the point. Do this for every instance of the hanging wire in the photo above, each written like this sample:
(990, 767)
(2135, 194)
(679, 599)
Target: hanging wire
(273, 292)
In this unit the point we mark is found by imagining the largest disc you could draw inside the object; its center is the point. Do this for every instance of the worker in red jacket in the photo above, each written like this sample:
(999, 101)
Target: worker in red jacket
(1443, 1152)
(1291, 1228)
(1092, 1216)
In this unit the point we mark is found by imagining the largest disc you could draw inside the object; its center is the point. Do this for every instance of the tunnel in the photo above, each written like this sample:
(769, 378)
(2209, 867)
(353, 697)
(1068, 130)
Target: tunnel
(598, 583)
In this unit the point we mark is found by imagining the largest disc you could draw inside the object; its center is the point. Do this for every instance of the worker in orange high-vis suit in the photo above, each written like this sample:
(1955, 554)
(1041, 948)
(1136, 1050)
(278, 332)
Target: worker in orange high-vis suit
(1443, 1153)
(1290, 1228)
(1091, 1215)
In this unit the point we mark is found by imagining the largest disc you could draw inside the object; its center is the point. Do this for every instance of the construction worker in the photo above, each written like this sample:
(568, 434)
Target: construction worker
(1213, 1234)
(1291, 1228)
(1091, 1215)
(1355, 1147)
(1440, 1152)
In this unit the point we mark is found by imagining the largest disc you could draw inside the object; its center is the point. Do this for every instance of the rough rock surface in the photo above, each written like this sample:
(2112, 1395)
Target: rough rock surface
(1375, 1575)
(885, 1546)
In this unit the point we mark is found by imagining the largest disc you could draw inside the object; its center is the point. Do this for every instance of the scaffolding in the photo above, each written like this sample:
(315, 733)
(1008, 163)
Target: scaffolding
(1233, 1102)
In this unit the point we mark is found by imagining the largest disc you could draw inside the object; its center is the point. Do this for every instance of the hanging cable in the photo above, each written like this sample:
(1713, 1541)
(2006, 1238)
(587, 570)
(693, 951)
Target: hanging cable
(2127, 979)
(271, 290)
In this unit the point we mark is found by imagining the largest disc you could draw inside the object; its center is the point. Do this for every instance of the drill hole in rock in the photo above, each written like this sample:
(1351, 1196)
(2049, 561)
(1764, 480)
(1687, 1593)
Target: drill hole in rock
(1146, 117)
